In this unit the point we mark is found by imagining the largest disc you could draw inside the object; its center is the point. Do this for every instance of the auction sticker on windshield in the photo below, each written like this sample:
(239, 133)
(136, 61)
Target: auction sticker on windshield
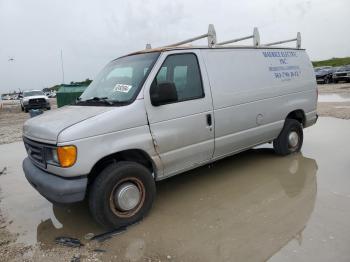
(122, 88)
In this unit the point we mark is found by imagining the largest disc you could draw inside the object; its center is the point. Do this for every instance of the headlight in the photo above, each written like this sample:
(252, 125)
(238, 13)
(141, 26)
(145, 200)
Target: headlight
(64, 156)
(67, 155)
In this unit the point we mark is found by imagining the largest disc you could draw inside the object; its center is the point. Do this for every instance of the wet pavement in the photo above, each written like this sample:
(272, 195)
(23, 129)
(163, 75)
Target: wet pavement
(253, 206)
(342, 97)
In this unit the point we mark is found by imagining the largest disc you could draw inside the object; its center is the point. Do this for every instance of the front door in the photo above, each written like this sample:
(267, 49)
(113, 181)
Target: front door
(183, 131)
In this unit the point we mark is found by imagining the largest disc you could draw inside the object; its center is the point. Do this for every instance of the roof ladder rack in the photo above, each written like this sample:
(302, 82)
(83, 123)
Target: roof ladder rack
(255, 36)
(211, 35)
(297, 40)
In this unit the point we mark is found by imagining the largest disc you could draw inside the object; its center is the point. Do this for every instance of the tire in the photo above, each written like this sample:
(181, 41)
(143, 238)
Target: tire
(22, 108)
(49, 108)
(103, 206)
(282, 143)
(26, 110)
(335, 81)
(326, 81)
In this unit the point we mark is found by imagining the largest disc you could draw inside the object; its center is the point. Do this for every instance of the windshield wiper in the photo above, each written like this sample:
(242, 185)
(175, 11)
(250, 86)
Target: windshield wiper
(95, 100)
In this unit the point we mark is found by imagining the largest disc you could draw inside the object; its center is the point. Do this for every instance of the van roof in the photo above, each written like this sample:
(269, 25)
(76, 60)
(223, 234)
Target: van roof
(191, 47)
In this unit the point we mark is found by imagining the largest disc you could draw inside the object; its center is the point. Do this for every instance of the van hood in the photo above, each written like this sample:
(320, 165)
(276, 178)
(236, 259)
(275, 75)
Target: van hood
(46, 127)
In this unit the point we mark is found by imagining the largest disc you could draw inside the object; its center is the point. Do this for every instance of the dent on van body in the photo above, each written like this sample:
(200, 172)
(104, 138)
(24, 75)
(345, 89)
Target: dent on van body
(122, 128)
(184, 139)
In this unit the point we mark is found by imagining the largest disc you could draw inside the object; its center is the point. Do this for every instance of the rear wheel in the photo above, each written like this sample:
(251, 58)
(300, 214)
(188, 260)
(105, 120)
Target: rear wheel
(290, 139)
(122, 194)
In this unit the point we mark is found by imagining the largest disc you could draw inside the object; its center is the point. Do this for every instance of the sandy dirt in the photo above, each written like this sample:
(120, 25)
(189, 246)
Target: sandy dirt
(12, 118)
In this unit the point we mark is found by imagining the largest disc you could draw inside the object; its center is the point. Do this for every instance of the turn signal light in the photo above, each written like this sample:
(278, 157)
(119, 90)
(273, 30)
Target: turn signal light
(67, 155)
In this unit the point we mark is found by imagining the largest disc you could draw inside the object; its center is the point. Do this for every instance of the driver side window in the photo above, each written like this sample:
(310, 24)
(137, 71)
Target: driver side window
(182, 70)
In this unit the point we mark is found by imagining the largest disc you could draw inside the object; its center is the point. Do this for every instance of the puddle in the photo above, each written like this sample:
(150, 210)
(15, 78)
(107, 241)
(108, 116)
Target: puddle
(252, 206)
(333, 98)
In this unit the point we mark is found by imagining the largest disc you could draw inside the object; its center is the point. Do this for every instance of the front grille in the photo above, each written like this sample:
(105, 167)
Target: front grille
(35, 151)
(37, 102)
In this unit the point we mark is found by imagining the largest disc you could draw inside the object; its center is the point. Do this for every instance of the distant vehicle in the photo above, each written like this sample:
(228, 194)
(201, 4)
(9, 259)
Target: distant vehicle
(342, 74)
(7, 97)
(1, 105)
(34, 99)
(319, 68)
(324, 75)
(52, 94)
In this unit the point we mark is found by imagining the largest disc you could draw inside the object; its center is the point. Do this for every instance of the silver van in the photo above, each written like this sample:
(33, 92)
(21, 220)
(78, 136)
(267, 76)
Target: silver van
(159, 112)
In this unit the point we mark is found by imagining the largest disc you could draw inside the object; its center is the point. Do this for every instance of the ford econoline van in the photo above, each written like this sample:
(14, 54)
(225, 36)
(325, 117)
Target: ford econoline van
(159, 112)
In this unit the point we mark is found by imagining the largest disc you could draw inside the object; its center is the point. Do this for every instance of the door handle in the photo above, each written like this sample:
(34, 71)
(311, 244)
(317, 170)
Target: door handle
(209, 120)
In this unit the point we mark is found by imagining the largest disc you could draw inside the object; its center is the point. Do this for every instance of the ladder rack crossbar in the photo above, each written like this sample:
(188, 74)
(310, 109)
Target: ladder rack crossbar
(281, 42)
(297, 40)
(189, 40)
(235, 40)
(211, 35)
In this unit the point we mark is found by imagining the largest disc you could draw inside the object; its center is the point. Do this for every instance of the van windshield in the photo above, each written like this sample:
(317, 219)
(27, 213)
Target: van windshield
(120, 81)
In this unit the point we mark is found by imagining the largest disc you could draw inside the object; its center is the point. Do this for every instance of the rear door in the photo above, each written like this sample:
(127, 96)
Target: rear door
(183, 131)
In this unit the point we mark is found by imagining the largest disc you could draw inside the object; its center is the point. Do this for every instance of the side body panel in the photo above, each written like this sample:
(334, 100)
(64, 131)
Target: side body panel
(182, 136)
(253, 91)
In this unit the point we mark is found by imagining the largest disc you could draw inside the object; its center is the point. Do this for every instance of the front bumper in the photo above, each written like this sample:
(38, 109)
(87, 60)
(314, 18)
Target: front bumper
(36, 106)
(53, 188)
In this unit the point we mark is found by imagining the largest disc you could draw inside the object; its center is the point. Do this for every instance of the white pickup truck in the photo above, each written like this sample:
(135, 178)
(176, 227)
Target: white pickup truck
(34, 99)
(159, 112)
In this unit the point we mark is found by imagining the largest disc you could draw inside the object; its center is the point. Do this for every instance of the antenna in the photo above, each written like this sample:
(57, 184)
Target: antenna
(148, 46)
(297, 40)
(255, 36)
(211, 35)
(62, 67)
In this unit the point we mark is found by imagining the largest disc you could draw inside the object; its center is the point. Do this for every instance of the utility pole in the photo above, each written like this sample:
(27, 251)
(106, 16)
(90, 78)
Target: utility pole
(62, 67)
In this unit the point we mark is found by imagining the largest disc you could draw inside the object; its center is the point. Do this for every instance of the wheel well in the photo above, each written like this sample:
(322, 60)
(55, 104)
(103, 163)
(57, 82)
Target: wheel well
(298, 115)
(135, 155)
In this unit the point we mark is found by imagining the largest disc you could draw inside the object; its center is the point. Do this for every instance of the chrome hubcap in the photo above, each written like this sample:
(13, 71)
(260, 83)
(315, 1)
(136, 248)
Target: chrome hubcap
(127, 196)
(293, 139)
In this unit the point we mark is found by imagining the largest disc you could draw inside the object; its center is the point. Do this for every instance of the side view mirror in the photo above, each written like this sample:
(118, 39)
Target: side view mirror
(163, 93)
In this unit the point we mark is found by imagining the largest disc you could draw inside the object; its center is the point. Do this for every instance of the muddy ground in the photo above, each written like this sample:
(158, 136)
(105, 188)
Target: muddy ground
(254, 206)
(337, 105)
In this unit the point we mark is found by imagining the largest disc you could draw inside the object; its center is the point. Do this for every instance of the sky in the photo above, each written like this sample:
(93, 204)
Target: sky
(91, 33)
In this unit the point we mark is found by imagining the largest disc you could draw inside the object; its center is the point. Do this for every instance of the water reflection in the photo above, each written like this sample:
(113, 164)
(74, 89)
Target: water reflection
(247, 206)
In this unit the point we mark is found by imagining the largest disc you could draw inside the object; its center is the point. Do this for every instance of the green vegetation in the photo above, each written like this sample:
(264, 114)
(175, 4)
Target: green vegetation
(332, 62)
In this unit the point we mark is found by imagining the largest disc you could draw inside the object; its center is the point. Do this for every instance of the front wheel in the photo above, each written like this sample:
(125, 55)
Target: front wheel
(122, 194)
(290, 139)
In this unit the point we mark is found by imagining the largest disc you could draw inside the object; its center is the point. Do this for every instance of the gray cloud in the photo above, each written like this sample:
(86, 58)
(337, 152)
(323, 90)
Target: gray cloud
(91, 33)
